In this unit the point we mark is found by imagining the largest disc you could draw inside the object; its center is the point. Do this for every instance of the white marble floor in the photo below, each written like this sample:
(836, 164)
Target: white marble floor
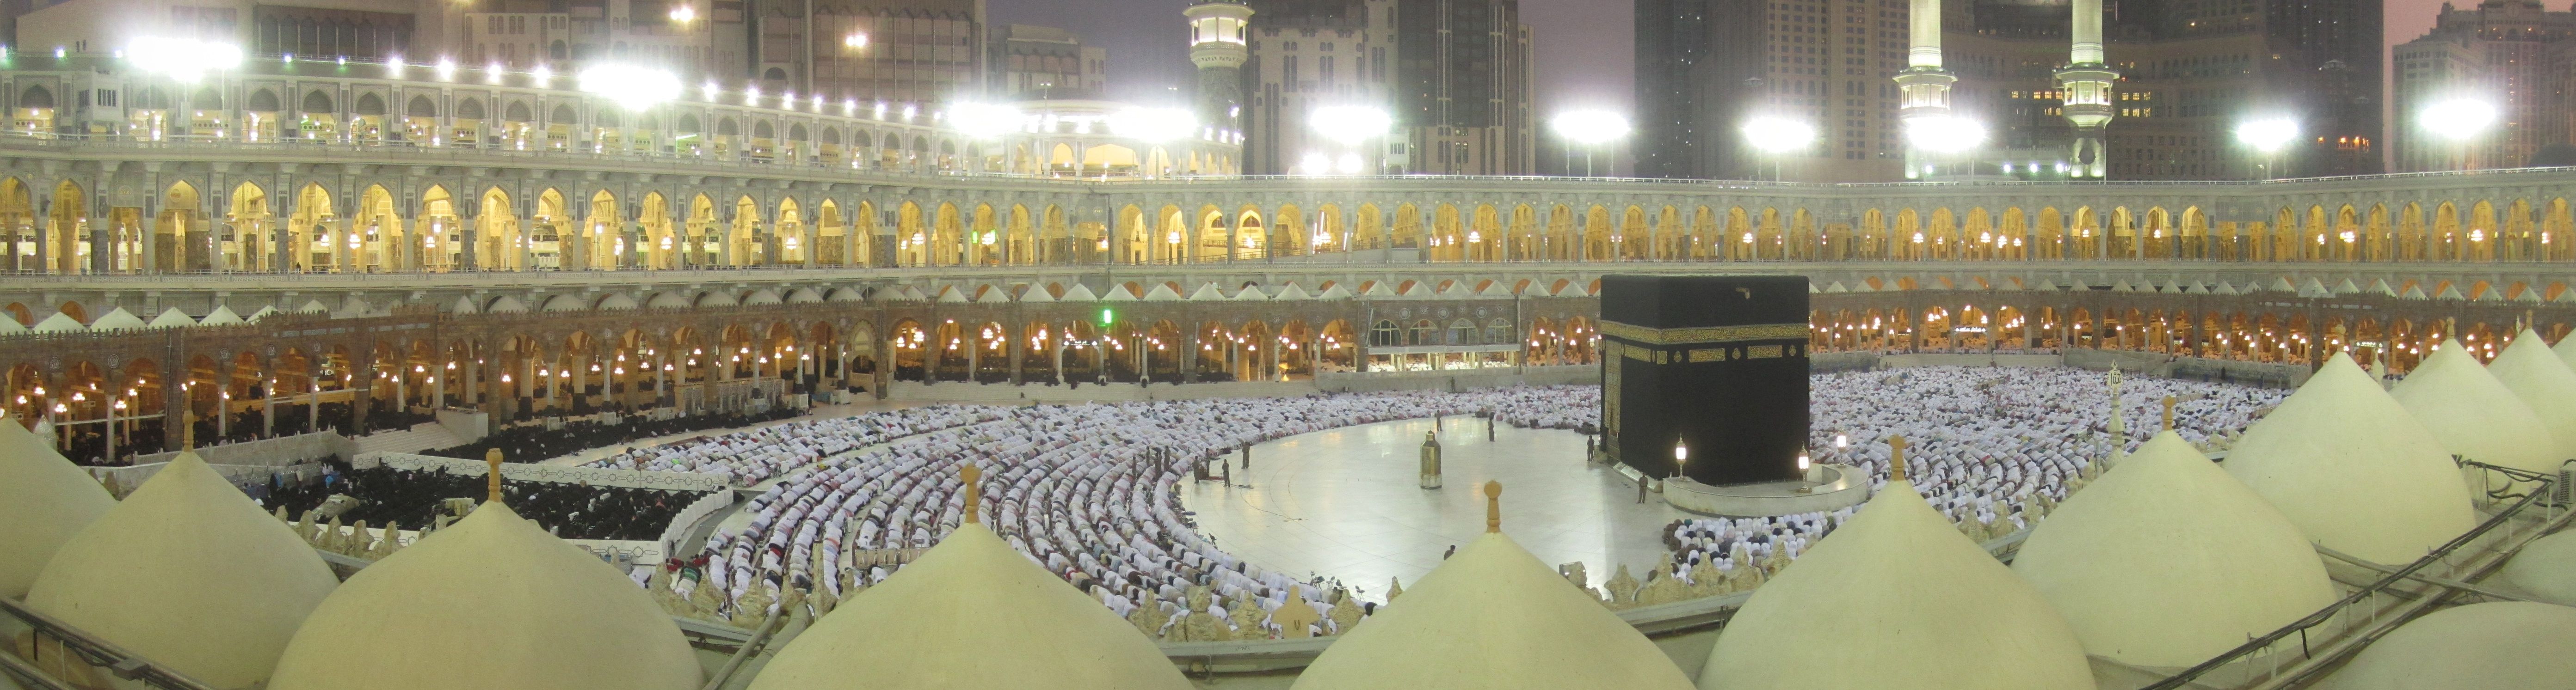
(1344, 503)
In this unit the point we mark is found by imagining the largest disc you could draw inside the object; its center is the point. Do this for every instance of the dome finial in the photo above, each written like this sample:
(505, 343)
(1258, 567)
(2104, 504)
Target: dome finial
(1896, 458)
(974, 492)
(492, 459)
(2169, 411)
(1493, 506)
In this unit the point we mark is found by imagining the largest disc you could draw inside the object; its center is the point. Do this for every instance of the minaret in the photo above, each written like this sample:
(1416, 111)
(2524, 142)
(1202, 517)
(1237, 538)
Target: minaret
(2088, 80)
(1924, 84)
(1217, 47)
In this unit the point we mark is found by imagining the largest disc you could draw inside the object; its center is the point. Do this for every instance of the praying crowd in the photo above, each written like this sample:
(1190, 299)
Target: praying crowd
(755, 455)
(571, 511)
(1992, 448)
(535, 442)
(1088, 491)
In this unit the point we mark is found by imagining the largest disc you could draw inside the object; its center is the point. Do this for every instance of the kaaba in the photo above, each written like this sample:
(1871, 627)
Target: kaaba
(1714, 363)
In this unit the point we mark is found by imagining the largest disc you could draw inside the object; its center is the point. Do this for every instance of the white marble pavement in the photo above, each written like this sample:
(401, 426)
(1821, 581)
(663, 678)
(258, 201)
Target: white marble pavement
(1344, 503)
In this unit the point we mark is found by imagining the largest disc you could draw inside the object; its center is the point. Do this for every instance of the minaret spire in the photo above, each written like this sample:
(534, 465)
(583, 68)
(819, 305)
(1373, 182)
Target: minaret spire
(1925, 87)
(1219, 36)
(2087, 80)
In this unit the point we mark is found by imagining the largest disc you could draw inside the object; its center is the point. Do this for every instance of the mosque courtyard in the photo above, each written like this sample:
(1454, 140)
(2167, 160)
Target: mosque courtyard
(1345, 504)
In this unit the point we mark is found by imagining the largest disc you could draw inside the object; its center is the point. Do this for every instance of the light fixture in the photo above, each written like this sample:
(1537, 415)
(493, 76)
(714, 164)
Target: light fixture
(1589, 127)
(2267, 135)
(183, 59)
(630, 86)
(1777, 134)
(856, 39)
(1350, 124)
(684, 14)
(985, 120)
(2458, 119)
(1945, 133)
(1315, 163)
(1153, 125)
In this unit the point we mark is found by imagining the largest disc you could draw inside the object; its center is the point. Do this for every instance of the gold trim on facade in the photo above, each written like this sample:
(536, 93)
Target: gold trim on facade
(1709, 334)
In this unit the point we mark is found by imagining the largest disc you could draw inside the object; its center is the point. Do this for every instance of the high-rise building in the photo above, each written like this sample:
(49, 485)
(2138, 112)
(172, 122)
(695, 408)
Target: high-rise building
(2173, 80)
(1462, 87)
(1704, 67)
(1452, 77)
(1045, 62)
(897, 51)
(2511, 54)
(1313, 54)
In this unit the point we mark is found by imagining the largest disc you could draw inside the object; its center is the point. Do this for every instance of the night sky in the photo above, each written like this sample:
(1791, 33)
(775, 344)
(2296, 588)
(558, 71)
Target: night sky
(1584, 51)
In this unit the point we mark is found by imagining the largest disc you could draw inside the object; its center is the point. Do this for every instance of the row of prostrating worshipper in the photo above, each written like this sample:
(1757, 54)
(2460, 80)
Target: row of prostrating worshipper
(1131, 548)
(1994, 450)
(385, 494)
(536, 442)
(752, 456)
(1081, 489)
(2165, 561)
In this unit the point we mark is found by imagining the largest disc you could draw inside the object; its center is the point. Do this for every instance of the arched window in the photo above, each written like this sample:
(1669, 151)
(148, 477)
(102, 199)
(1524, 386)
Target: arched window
(1499, 332)
(1463, 332)
(1384, 334)
(1422, 334)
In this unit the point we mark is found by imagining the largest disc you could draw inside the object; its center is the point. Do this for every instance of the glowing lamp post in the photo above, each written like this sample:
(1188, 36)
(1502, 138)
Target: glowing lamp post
(2460, 120)
(1681, 457)
(1776, 136)
(2267, 136)
(634, 88)
(1589, 128)
(1353, 127)
(1943, 135)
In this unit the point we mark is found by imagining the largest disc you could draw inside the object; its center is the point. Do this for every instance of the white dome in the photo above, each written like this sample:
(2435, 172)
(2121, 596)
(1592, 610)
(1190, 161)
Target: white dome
(970, 613)
(187, 572)
(2504, 645)
(489, 602)
(1493, 616)
(2546, 568)
(44, 499)
(2166, 561)
(2566, 347)
(2544, 382)
(1896, 598)
(2353, 470)
(2474, 415)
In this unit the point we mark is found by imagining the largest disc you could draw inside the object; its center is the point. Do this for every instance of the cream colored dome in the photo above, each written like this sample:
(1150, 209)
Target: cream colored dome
(2546, 568)
(2166, 561)
(2474, 415)
(187, 572)
(2353, 469)
(2504, 645)
(44, 499)
(2566, 351)
(1492, 616)
(2541, 380)
(489, 602)
(1896, 598)
(970, 614)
